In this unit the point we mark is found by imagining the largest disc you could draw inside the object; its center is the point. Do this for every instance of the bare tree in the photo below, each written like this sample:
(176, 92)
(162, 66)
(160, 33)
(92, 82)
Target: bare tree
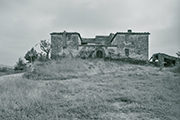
(45, 46)
(178, 54)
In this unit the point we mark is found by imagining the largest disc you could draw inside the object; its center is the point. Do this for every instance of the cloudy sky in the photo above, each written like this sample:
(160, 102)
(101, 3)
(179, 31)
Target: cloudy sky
(23, 23)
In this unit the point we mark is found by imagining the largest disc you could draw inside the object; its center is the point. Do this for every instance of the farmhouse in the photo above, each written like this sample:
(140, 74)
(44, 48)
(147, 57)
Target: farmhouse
(115, 45)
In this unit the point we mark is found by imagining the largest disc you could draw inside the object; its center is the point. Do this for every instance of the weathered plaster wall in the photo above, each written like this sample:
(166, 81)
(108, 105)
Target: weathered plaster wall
(91, 51)
(56, 45)
(64, 44)
(72, 41)
(137, 45)
(87, 51)
(122, 45)
(112, 52)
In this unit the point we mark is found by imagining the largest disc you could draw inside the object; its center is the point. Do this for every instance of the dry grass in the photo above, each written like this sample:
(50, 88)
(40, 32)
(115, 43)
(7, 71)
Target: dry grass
(10, 71)
(176, 69)
(62, 69)
(117, 91)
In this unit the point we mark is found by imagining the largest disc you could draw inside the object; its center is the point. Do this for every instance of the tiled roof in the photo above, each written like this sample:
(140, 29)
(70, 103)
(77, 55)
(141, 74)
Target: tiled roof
(104, 39)
(88, 40)
(129, 33)
(101, 38)
(60, 33)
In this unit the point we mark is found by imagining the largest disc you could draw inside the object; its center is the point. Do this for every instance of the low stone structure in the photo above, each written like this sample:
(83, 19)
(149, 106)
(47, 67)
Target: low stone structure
(119, 45)
(161, 60)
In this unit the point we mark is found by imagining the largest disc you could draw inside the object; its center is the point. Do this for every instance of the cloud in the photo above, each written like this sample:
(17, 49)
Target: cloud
(25, 23)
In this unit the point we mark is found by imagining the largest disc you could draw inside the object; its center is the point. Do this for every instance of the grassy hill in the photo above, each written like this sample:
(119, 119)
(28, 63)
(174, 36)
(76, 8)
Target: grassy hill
(91, 89)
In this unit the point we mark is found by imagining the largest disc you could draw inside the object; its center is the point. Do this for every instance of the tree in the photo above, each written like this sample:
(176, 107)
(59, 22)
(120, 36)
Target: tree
(41, 57)
(31, 55)
(178, 54)
(46, 47)
(20, 64)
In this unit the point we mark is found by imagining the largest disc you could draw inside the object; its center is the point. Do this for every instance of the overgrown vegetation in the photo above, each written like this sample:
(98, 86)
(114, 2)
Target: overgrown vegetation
(31, 55)
(18, 68)
(178, 54)
(175, 69)
(128, 60)
(42, 57)
(93, 89)
(45, 47)
(6, 71)
(20, 65)
(61, 69)
(119, 91)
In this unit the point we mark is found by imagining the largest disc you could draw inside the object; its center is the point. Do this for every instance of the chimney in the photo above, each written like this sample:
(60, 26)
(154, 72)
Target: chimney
(64, 40)
(129, 31)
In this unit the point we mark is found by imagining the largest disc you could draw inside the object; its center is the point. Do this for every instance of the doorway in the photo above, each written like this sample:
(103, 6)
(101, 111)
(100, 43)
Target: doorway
(99, 54)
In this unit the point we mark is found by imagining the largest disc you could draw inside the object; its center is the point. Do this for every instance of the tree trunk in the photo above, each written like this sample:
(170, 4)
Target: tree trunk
(47, 55)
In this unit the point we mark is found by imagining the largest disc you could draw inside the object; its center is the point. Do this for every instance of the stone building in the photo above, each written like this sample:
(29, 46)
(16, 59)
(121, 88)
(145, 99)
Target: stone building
(162, 59)
(119, 45)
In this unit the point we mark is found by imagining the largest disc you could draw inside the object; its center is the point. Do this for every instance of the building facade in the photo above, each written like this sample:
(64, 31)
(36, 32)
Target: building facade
(119, 45)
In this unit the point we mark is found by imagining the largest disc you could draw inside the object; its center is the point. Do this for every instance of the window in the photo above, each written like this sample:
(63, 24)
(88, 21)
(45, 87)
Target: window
(133, 43)
(127, 52)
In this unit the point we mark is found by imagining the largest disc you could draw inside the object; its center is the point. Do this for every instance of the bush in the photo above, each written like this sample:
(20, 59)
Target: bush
(176, 69)
(31, 55)
(45, 46)
(42, 57)
(4, 69)
(20, 65)
(59, 69)
(128, 60)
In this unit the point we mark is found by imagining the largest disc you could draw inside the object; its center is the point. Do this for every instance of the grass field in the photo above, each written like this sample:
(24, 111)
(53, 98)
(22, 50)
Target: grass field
(95, 90)
(9, 71)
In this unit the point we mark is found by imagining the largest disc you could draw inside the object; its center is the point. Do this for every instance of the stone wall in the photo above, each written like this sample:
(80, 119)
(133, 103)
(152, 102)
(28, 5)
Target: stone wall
(98, 51)
(64, 43)
(56, 45)
(120, 45)
(132, 46)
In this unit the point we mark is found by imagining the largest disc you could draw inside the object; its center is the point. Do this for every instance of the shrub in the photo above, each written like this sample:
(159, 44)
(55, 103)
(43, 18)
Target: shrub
(128, 60)
(59, 69)
(46, 47)
(31, 55)
(176, 69)
(3, 69)
(42, 57)
(20, 65)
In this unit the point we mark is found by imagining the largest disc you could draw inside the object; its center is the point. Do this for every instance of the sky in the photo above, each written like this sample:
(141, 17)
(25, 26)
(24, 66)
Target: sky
(23, 23)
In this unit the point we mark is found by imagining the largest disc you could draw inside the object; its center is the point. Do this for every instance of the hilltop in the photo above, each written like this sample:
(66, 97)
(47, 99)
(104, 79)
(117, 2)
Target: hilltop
(91, 89)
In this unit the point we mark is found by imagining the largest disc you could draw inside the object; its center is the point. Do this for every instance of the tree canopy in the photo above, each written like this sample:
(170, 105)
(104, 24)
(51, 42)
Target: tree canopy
(31, 55)
(45, 46)
(178, 53)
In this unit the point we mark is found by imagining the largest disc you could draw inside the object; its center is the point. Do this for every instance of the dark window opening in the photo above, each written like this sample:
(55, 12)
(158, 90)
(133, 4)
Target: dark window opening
(64, 47)
(133, 43)
(138, 52)
(83, 43)
(127, 52)
(169, 63)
